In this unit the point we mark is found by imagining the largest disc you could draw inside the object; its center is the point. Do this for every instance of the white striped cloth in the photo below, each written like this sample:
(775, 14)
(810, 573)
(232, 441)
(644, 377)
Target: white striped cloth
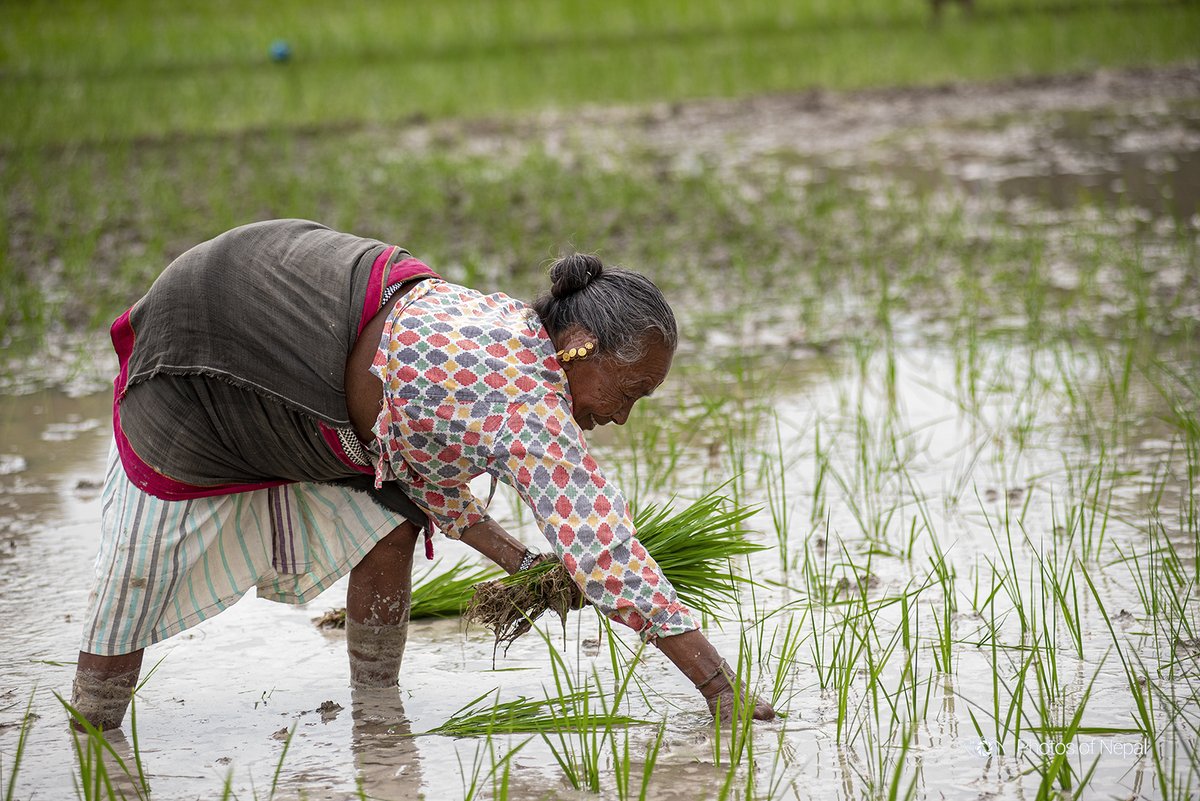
(164, 566)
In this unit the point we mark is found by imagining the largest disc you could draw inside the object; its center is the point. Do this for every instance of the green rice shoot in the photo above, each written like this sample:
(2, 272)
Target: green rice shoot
(694, 548)
(570, 711)
(434, 595)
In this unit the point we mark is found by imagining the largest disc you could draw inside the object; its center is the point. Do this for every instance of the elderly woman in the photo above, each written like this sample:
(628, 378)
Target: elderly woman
(295, 403)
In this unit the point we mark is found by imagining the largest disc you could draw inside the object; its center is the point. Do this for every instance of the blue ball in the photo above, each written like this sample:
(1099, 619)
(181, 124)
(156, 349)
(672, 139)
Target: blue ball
(280, 51)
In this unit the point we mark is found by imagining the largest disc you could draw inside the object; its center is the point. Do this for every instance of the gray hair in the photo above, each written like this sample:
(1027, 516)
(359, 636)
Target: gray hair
(621, 308)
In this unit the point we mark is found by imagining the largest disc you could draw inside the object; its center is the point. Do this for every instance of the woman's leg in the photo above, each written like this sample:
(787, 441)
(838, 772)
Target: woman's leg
(103, 686)
(377, 605)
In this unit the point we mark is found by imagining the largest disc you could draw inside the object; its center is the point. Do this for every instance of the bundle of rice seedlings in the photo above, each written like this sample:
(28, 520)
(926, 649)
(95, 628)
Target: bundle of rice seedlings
(510, 604)
(693, 547)
(570, 711)
(434, 594)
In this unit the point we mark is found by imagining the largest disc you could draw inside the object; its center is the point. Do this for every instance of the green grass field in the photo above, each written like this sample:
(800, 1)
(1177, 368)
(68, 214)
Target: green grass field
(87, 71)
(130, 129)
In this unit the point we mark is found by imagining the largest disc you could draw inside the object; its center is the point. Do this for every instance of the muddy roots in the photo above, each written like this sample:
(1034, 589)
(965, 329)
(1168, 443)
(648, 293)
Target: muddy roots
(510, 606)
(333, 619)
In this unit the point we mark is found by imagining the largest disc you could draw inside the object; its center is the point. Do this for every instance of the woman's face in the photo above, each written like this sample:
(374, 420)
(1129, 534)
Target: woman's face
(604, 391)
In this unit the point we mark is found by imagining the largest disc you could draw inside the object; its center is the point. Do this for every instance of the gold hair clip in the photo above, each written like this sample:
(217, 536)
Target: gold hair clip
(567, 354)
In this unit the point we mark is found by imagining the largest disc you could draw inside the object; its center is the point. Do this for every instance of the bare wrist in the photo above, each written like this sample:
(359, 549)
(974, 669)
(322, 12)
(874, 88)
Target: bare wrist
(491, 540)
(718, 681)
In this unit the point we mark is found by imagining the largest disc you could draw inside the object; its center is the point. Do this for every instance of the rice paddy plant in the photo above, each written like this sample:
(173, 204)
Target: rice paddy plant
(655, 444)
(910, 683)
(739, 744)
(434, 594)
(821, 459)
(694, 547)
(287, 743)
(1180, 734)
(143, 782)
(580, 756)
(570, 711)
(1180, 391)
(737, 449)
(94, 754)
(1087, 518)
(1007, 711)
(1166, 589)
(624, 758)
(883, 700)
(921, 526)
(785, 648)
(873, 484)
(846, 649)
(818, 580)
(1005, 572)
(943, 619)
(93, 781)
(22, 737)
(1057, 776)
(782, 776)
(886, 766)
(1186, 418)
(1139, 684)
(1059, 592)
(444, 595)
(500, 773)
(497, 774)
(104, 774)
(578, 746)
(1046, 601)
(776, 468)
(885, 656)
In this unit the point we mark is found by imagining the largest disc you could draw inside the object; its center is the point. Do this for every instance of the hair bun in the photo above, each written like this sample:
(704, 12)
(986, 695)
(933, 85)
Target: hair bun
(572, 273)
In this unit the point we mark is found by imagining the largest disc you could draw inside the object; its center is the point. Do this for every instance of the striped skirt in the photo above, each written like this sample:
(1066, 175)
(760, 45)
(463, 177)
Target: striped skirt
(164, 566)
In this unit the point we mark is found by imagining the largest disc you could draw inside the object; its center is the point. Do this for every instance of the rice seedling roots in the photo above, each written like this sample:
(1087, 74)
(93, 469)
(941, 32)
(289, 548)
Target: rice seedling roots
(509, 606)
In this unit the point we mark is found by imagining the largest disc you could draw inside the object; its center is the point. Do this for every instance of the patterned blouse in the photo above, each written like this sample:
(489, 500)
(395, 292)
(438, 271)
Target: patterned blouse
(471, 385)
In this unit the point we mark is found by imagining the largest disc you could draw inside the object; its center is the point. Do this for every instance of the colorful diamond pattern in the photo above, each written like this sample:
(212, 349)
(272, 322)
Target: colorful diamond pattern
(471, 385)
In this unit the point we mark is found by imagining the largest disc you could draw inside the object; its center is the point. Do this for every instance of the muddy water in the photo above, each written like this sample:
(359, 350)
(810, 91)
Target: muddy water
(971, 458)
(1146, 163)
(226, 693)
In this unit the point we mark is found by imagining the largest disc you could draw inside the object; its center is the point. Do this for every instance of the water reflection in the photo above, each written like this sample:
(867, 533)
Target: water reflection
(109, 759)
(386, 758)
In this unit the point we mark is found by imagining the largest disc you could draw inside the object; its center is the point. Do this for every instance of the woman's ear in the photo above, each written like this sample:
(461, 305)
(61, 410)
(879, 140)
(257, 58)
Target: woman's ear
(574, 344)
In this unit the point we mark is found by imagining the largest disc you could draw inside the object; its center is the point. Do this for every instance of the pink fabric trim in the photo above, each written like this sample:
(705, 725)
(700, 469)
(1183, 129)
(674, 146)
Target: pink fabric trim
(143, 476)
(375, 287)
(331, 438)
(383, 276)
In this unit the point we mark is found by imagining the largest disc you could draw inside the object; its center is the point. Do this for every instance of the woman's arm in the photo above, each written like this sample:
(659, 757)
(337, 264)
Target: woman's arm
(491, 540)
(697, 659)
(691, 651)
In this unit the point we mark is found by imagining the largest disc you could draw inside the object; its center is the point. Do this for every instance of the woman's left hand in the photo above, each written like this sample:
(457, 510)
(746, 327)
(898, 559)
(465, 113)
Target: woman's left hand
(697, 659)
(724, 703)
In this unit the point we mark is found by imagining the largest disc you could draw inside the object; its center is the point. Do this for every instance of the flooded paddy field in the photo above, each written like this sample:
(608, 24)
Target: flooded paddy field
(946, 341)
